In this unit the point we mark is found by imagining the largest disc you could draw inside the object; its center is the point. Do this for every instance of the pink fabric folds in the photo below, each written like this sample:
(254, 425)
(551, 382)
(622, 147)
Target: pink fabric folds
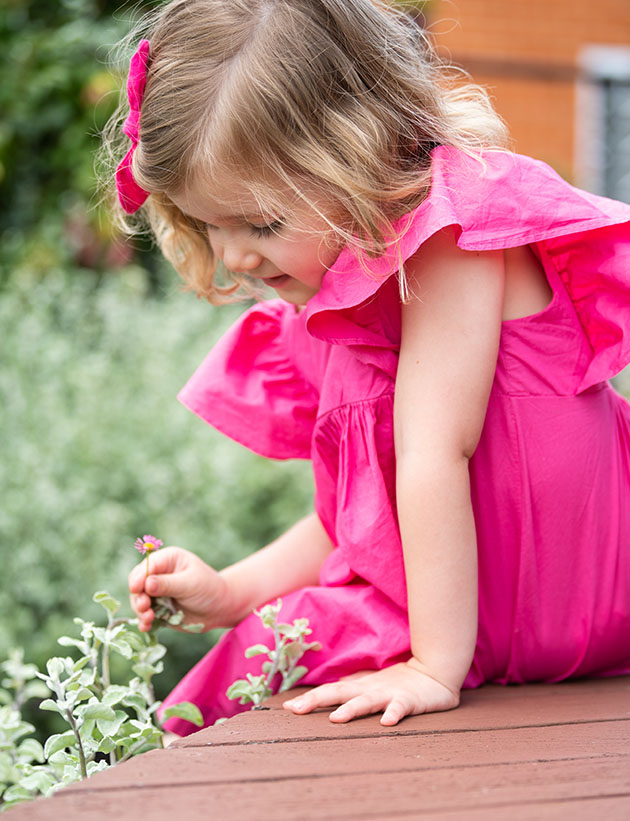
(505, 201)
(272, 406)
(550, 478)
(130, 194)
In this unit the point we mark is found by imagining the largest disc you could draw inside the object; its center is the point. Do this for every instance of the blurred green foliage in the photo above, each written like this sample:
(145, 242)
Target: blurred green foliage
(97, 451)
(56, 93)
(96, 341)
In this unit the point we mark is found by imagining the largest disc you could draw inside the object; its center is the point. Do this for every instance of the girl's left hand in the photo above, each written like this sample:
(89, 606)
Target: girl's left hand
(401, 690)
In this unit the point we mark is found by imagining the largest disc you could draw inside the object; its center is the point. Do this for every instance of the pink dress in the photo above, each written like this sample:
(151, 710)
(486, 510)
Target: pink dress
(550, 477)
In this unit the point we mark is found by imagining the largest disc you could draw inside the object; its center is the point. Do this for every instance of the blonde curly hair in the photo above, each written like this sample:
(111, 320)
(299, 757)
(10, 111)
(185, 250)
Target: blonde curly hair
(342, 97)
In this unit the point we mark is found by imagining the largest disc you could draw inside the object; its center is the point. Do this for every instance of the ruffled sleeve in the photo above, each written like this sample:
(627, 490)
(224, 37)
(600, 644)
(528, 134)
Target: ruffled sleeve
(504, 201)
(250, 388)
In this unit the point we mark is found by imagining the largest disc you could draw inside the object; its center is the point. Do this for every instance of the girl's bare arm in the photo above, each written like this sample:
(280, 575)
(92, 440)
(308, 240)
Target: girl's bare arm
(450, 337)
(291, 561)
(222, 599)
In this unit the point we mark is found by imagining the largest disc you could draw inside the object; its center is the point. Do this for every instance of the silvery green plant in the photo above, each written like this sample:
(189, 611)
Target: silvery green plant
(19, 685)
(107, 723)
(289, 646)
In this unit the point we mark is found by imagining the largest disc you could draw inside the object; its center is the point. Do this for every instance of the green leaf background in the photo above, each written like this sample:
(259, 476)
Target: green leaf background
(97, 339)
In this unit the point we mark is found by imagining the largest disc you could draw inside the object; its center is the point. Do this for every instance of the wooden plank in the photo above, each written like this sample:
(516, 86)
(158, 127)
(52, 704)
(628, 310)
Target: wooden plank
(612, 809)
(390, 795)
(507, 750)
(490, 707)
(376, 755)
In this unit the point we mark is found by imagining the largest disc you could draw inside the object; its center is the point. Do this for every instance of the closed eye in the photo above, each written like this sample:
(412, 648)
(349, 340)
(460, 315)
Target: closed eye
(255, 230)
(265, 230)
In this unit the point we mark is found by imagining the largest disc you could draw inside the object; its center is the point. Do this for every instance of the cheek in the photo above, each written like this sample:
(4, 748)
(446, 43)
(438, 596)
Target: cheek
(213, 244)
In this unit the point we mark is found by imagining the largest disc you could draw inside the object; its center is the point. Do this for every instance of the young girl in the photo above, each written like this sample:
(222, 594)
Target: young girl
(448, 316)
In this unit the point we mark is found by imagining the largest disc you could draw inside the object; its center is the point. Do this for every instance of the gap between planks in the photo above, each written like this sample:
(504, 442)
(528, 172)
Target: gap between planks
(406, 733)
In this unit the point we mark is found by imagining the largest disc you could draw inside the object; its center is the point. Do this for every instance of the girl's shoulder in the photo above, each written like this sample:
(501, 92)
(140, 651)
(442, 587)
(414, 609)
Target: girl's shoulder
(497, 200)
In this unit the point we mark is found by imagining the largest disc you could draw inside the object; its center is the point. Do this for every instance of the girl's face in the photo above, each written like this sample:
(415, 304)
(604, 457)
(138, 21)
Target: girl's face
(289, 256)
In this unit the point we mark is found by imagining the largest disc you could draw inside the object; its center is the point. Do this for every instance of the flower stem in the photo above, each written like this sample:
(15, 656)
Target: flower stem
(77, 735)
(279, 642)
(132, 751)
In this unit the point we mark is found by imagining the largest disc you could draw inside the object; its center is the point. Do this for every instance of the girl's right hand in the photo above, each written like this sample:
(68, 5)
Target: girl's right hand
(194, 586)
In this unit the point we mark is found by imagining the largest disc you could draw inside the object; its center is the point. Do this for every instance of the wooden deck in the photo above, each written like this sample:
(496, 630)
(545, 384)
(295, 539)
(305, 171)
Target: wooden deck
(533, 752)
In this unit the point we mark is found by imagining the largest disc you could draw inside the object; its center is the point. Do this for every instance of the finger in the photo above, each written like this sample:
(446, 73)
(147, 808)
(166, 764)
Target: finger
(140, 602)
(162, 561)
(145, 617)
(173, 584)
(361, 705)
(396, 710)
(145, 622)
(324, 696)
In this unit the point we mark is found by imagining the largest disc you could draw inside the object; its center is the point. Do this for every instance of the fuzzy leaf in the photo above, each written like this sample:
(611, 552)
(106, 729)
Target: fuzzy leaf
(194, 628)
(59, 741)
(30, 750)
(107, 745)
(111, 728)
(238, 689)
(68, 641)
(293, 678)
(153, 654)
(38, 781)
(136, 642)
(297, 630)
(7, 769)
(61, 757)
(256, 650)
(98, 710)
(55, 667)
(16, 793)
(96, 767)
(51, 706)
(114, 694)
(81, 694)
(122, 648)
(53, 788)
(187, 711)
(35, 689)
(147, 671)
(86, 730)
(293, 651)
(268, 614)
(108, 602)
(136, 701)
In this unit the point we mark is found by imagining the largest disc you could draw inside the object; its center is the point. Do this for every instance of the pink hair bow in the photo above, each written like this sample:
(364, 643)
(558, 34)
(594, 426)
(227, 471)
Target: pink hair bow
(130, 194)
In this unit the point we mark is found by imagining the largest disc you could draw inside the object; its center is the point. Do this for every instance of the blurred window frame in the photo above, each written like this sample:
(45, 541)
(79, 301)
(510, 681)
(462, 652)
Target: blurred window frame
(602, 129)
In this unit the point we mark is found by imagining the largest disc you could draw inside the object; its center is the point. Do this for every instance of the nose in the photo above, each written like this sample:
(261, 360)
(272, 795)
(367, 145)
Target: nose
(239, 258)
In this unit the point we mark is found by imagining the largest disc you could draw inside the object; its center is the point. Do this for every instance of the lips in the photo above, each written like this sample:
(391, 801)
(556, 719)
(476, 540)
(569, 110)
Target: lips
(277, 281)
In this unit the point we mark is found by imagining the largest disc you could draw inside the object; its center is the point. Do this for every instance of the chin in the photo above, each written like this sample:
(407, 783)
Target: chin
(299, 300)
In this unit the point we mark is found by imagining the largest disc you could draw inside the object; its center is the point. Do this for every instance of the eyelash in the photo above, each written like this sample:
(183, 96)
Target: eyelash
(259, 231)
(265, 230)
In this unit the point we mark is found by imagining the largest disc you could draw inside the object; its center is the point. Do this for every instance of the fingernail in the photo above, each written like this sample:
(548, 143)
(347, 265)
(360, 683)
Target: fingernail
(296, 702)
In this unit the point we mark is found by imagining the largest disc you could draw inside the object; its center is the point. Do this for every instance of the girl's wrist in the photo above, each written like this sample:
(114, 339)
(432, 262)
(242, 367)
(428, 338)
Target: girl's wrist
(235, 604)
(450, 682)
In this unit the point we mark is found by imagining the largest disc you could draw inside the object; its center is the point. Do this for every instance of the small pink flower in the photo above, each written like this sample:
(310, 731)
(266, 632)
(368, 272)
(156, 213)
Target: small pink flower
(147, 544)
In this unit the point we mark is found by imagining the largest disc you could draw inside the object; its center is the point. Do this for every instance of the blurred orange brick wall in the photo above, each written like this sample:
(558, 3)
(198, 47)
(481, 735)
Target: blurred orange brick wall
(525, 52)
